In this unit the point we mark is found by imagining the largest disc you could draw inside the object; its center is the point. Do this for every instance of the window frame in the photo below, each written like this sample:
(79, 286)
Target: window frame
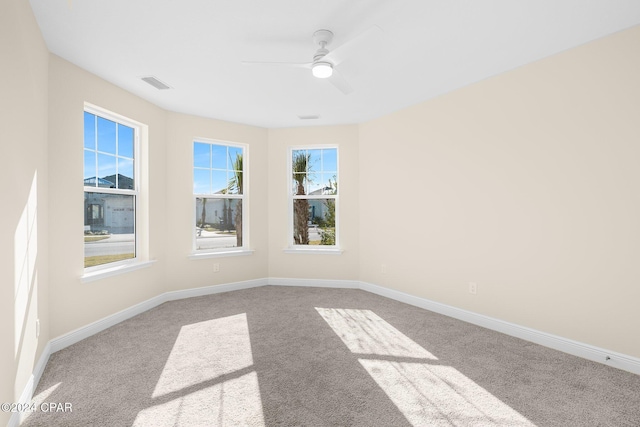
(90, 272)
(244, 197)
(292, 247)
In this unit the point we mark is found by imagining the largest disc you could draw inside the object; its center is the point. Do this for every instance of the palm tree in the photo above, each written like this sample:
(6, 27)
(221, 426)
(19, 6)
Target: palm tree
(300, 167)
(235, 185)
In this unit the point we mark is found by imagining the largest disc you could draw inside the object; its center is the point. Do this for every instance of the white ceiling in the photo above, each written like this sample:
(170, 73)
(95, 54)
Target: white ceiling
(428, 48)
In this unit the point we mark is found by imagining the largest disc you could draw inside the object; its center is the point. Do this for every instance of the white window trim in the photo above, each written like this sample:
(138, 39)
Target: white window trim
(140, 258)
(114, 269)
(203, 254)
(223, 252)
(292, 248)
(313, 250)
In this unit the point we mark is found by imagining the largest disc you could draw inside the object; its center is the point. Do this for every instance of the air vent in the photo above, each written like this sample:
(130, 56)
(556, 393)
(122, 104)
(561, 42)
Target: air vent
(155, 83)
(308, 117)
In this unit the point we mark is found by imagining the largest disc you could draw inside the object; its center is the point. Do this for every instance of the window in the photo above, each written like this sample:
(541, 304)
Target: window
(314, 197)
(219, 190)
(110, 188)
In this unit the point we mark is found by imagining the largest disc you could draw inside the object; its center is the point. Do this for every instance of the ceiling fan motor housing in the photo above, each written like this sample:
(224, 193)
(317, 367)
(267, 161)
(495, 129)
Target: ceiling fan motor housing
(322, 37)
(320, 53)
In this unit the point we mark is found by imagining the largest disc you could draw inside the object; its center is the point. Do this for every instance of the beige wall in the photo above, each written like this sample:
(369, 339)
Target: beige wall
(305, 265)
(526, 183)
(169, 197)
(183, 272)
(24, 212)
(74, 304)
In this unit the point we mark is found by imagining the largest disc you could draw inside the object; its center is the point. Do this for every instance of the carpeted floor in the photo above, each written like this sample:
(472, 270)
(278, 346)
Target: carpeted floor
(288, 356)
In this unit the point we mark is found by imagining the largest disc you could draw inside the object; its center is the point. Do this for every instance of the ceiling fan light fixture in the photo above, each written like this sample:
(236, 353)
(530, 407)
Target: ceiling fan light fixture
(322, 70)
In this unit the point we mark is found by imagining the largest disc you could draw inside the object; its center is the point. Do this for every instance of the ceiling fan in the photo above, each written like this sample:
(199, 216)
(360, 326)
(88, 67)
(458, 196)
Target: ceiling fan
(324, 63)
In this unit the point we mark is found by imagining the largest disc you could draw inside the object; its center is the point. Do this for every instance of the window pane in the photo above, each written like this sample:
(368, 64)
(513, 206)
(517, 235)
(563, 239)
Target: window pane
(329, 183)
(299, 183)
(89, 131)
(106, 136)
(235, 158)
(109, 228)
(314, 184)
(107, 168)
(219, 182)
(201, 181)
(329, 160)
(322, 215)
(90, 168)
(218, 223)
(219, 154)
(314, 161)
(235, 182)
(125, 174)
(201, 155)
(301, 221)
(125, 141)
(299, 159)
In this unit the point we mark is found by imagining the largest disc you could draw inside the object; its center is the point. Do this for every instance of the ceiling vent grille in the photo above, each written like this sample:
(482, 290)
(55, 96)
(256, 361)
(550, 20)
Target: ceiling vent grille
(156, 83)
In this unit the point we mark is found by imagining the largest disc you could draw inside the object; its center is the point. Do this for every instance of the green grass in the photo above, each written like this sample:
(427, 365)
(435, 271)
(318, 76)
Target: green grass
(92, 261)
(94, 238)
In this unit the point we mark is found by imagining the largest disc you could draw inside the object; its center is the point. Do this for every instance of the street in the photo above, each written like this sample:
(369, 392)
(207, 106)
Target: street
(113, 245)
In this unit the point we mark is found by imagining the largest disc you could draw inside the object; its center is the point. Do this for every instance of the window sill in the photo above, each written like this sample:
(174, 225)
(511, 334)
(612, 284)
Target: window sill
(313, 251)
(114, 271)
(203, 255)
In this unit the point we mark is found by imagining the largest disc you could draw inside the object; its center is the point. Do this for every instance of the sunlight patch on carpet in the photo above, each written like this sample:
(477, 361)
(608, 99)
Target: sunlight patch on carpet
(364, 332)
(204, 351)
(39, 399)
(440, 395)
(425, 393)
(207, 376)
(234, 402)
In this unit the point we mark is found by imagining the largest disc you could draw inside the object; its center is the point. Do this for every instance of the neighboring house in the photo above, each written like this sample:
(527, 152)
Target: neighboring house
(114, 213)
(318, 208)
(124, 182)
(102, 183)
(219, 213)
(110, 182)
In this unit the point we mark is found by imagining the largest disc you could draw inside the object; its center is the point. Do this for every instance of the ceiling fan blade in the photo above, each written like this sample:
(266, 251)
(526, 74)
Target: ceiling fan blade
(280, 64)
(366, 39)
(340, 82)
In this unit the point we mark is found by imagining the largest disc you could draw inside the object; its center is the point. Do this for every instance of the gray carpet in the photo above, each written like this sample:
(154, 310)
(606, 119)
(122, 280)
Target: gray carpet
(287, 356)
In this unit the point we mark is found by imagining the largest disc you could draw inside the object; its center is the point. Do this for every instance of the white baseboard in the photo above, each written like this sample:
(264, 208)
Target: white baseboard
(214, 289)
(586, 351)
(319, 283)
(34, 379)
(93, 328)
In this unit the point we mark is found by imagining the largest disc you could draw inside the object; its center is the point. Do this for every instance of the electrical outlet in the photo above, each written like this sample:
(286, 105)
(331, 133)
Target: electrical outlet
(383, 269)
(216, 267)
(473, 288)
